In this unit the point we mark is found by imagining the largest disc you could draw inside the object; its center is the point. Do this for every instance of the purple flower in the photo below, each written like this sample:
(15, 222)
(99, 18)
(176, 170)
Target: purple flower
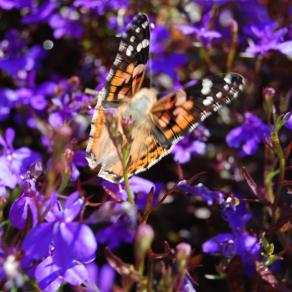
(239, 241)
(14, 4)
(24, 210)
(208, 196)
(159, 35)
(249, 135)
(288, 124)
(100, 278)
(14, 162)
(140, 188)
(102, 6)
(120, 222)
(8, 98)
(168, 64)
(50, 275)
(192, 144)
(16, 58)
(40, 13)
(205, 35)
(268, 38)
(65, 244)
(66, 23)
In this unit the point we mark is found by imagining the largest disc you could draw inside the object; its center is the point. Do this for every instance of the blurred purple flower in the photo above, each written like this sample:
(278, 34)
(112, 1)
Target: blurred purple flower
(78, 160)
(288, 124)
(269, 38)
(15, 4)
(208, 196)
(204, 35)
(168, 64)
(249, 135)
(69, 245)
(8, 97)
(16, 57)
(187, 285)
(100, 278)
(192, 144)
(50, 276)
(67, 104)
(40, 13)
(14, 162)
(119, 221)
(159, 35)
(101, 6)
(66, 23)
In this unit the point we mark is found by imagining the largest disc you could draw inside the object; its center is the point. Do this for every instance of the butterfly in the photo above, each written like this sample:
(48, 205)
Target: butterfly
(158, 124)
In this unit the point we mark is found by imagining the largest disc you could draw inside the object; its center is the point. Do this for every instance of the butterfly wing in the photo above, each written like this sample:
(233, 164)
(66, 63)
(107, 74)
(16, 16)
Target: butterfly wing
(173, 116)
(128, 70)
(123, 81)
(179, 113)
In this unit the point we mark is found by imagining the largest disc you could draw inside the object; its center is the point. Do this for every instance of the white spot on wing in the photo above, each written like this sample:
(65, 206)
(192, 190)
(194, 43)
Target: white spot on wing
(145, 43)
(208, 100)
(227, 79)
(219, 94)
(129, 51)
(206, 86)
(145, 24)
(139, 47)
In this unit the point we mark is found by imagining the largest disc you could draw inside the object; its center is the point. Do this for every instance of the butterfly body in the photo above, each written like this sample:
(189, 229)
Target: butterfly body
(157, 123)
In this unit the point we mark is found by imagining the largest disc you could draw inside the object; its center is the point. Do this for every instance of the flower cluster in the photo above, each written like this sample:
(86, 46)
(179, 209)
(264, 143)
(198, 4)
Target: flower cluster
(217, 208)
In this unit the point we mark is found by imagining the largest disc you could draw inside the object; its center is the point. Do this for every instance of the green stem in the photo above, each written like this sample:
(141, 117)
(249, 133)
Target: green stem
(126, 176)
(280, 153)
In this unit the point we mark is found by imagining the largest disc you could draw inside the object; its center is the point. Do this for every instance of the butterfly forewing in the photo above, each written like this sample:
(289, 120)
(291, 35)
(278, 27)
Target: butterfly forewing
(179, 113)
(128, 70)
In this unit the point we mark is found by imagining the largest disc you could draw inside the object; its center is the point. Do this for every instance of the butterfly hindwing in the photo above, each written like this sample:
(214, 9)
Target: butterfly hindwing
(128, 70)
(179, 113)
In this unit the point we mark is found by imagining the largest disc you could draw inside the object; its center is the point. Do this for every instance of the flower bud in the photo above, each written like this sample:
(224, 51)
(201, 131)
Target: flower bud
(144, 238)
(269, 93)
(183, 252)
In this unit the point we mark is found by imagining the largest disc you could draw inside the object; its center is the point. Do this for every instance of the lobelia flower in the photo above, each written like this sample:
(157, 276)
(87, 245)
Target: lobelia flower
(101, 278)
(249, 135)
(238, 242)
(40, 13)
(15, 4)
(102, 6)
(269, 38)
(16, 58)
(119, 222)
(162, 62)
(288, 124)
(192, 144)
(208, 196)
(8, 97)
(66, 22)
(204, 35)
(14, 162)
(140, 188)
(25, 208)
(66, 246)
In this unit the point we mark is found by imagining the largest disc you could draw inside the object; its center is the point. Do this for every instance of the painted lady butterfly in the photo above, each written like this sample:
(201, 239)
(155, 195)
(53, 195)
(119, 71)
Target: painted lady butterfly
(158, 123)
